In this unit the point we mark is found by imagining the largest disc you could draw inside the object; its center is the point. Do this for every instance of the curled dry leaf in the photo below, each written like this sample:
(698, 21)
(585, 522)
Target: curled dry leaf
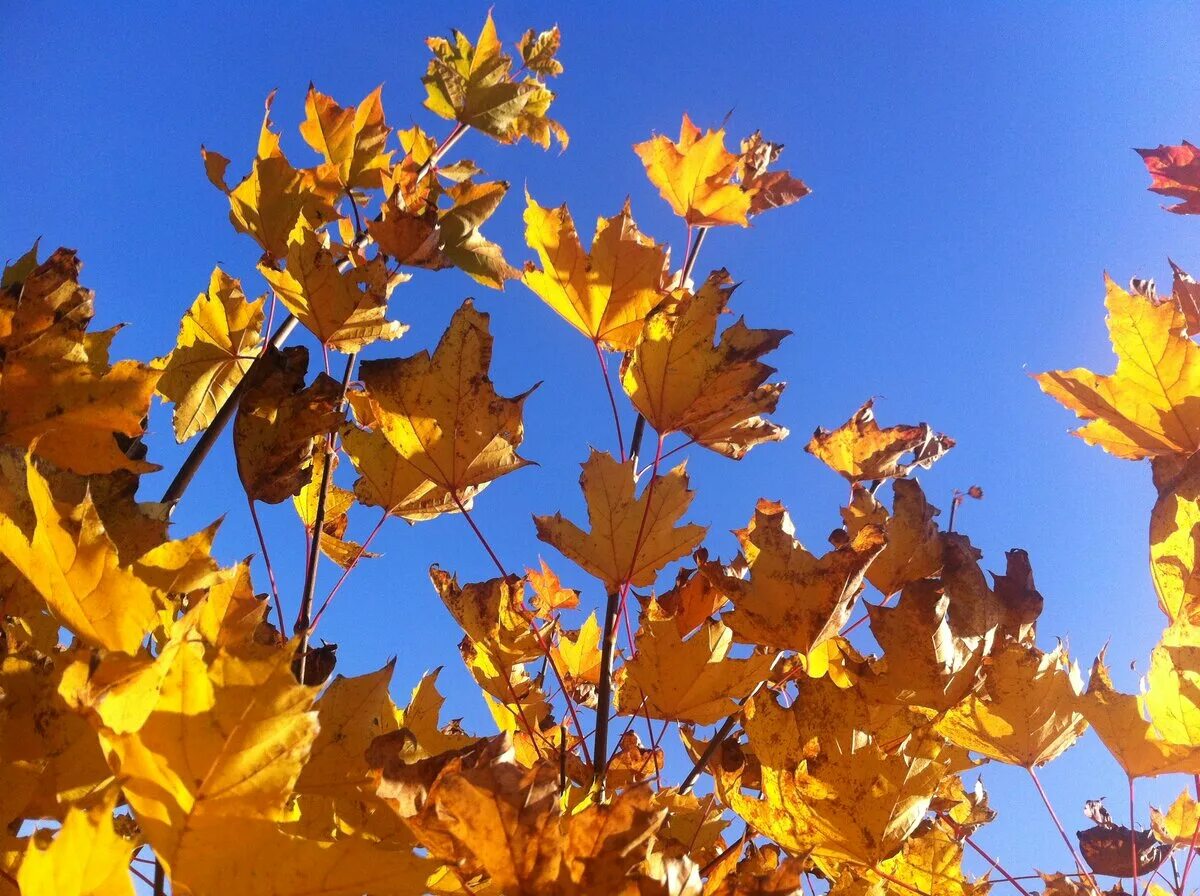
(860, 450)
(1175, 172)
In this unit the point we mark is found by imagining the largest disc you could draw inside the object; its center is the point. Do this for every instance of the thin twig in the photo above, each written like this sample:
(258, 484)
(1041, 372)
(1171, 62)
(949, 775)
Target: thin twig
(160, 879)
(362, 552)
(1133, 849)
(262, 543)
(604, 692)
(462, 508)
(612, 400)
(303, 626)
(1061, 830)
(965, 837)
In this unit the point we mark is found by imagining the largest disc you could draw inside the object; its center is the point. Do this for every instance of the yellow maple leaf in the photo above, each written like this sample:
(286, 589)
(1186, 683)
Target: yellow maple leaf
(632, 537)
(931, 862)
(913, 550)
(606, 292)
(352, 140)
(792, 599)
(86, 857)
(1028, 713)
(462, 242)
(76, 570)
(1148, 407)
(338, 502)
(549, 594)
(268, 201)
(695, 175)
(474, 85)
(278, 422)
(1117, 720)
(860, 450)
(1172, 699)
(219, 338)
(440, 413)
(345, 309)
(1178, 824)
(491, 613)
(1173, 548)
(716, 394)
(693, 680)
(855, 807)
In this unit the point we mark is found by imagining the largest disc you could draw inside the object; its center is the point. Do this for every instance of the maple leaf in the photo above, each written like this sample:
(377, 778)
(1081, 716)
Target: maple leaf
(278, 422)
(75, 568)
(338, 502)
(1172, 699)
(86, 857)
(1028, 713)
(695, 175)
(768, 189)
(345, 309)
(1178, 824)
(632, 536)
(490, 613)
(268, 201)
(1148, 407)
(913, 550)
(715, 394)
(1117, 720)
(549, 595)
(925, 662)
(1175, 172)
(606, 292)
(577, 655)
(59, 394)
(931, 862)
(474, 85)
(219, 338)
(792, 599)
(693, 680)
(860, 450)
(698, 593)
(440, 413)
(858, 807)
(388, 480)
(1173, 547)
(352, 140)
(460, 239)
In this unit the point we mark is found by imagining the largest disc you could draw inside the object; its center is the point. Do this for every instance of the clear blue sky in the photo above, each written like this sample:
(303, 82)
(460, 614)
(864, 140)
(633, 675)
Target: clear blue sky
(973, 176)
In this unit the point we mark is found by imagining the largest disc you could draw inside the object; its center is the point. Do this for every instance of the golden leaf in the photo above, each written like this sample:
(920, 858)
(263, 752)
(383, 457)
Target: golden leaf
(697, 595)
(352, 140)
(1148, 407)
(475, 85)
(1028, 713)
(857, 807)
(270, 199)
(86, 857)
(792, 599)
(491, 613)
(1172, 700)
(1174, 557)
(1117, 720)
(76, 570)
(549, 595)
(463, 244)
(605, 293)
(219, 338)
(632, 537)
(440, 413)
(715, 394)
(860, 450)
(690, 681)
(1178, 824)
(278, 422)
(345, 309)
(913, 550)
(931, 863)
(695, 175)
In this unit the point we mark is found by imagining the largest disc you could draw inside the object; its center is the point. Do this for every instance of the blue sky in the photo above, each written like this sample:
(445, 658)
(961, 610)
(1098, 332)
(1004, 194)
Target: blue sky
(973, 177)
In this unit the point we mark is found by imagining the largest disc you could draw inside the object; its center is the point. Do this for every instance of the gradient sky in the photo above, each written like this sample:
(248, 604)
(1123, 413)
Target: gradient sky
(972, 174)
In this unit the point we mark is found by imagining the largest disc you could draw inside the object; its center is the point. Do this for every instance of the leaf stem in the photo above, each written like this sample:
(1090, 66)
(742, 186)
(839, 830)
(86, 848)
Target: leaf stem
(303, 626)
(262, 543)
(612, 400)
(160, 878)
(1061, 830)
(1133, 849)
(362, 552)
(462, 508)
(966, 838)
